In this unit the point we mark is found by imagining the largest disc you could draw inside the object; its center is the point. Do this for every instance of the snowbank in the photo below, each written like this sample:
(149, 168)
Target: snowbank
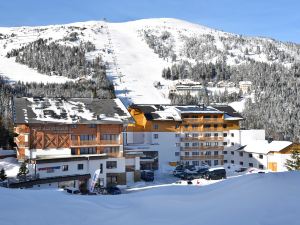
(250, 199)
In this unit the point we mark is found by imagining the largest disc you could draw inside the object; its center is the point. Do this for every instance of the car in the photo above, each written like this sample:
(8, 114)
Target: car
(178, 170)
(147, 175)
(215, 173)
(202, 172)
(242, 169)
(113, 190)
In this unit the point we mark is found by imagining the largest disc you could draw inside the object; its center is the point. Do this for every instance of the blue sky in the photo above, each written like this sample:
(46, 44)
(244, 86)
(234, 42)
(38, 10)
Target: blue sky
(279, 19)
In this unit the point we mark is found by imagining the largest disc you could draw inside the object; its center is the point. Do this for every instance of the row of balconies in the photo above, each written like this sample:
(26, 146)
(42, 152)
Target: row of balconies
(201, 157)
(211, 138)
(192, 148)
(76, 143)
(203, 120)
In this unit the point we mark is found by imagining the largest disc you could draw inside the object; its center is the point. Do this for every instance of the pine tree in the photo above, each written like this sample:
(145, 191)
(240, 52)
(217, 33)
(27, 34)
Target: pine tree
(23, 170)
(294, 162)
(3, 175)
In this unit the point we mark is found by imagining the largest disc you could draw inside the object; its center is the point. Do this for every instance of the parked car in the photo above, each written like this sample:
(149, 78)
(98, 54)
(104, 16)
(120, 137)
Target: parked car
(178, 170)
(147, 175)
(189, 176)
(113, 190)
(242, 169)
(202, 172)
(215, 174)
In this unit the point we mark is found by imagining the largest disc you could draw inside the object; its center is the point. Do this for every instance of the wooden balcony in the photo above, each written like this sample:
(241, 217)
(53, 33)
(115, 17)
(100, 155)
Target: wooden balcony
(202, 120)
(202, 148)
(76, 143)
(194, 139)
(202, 157)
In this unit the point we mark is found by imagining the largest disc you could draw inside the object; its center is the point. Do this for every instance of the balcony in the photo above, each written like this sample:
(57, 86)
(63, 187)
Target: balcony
(202, 120)
(192, 139)
(202, 157)
(202, 148)
(76, 143)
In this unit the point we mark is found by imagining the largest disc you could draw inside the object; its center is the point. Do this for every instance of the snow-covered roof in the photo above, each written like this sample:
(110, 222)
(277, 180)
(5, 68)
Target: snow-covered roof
(174, 112)
(70, 111)
(264, 147)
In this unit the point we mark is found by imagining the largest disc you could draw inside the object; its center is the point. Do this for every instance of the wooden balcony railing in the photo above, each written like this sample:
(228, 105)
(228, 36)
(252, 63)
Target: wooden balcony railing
(211, 138)
(95, 142)
(201, 157)
(202, 148)
(202, 120)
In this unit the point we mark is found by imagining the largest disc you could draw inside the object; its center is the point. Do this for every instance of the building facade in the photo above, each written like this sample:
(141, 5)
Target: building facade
(169, 135)
(68, 137)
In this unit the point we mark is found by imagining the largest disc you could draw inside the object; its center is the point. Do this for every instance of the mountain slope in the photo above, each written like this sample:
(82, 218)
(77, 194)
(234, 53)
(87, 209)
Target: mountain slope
(136, 52)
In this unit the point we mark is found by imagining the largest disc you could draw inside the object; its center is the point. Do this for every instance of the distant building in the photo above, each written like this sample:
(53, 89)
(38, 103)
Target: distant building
(245, 86)
(65, 141)
(183, 88)
(248, 148)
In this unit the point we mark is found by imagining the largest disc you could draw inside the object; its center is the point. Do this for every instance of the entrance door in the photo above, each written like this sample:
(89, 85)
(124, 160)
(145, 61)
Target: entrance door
(272, 166)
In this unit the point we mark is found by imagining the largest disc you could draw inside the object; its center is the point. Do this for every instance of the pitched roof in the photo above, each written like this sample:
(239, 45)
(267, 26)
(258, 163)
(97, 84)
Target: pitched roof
(70, 111)
(229, 111)
(264, 147)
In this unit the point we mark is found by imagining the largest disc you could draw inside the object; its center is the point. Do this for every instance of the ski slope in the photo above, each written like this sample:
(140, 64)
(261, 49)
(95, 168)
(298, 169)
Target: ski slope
(268, 199)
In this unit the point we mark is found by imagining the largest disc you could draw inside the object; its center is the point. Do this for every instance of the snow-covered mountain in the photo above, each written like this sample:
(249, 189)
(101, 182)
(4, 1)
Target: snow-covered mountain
(136, 52)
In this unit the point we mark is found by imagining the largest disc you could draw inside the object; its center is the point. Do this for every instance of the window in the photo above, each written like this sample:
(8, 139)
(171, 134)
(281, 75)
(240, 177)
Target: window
(251, 164)
(195, 163)
(186, 144)
(261, 166)
(177, 144)
(216, 143)
(208, 153)
(155, 126)
(186, 126)
(112, 179)
(206, 117)
(207, 143)
(241, 154)
(216, 134)
(73, 151)
(232, 161)
(195, 144)
(232, 143)
(86, 151)
(216, 153)
(207, 135)
(73, 137)
(195, 135)
(208, 162)
(155, 136)
(261, 156)
(241, 163)
(112, 137)
(215, 125)
(195, 153)
(80, 166)
(177, 126)
(186, 153)
(232, 152)
(111, 150)
(216, 162)
(215, 117)
(224, 143)
(206, 126)
(73, 126)
(177, 153)
(65, 168)
(225, 152)
(177, 135)
(194, 116)
(224, 134)
(194, 125)
(225, 161)
(92, 125)
(224, 125)
(232, 134)
(250, 155)
(111, 164)
(86, 137)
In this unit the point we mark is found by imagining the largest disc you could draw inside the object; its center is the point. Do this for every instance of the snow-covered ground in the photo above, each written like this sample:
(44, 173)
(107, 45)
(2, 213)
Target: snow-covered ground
(247, 200)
